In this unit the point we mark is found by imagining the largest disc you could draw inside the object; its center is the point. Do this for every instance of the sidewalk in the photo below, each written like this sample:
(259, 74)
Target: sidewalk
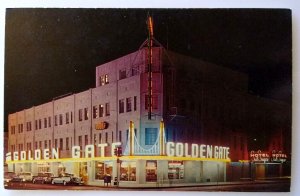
(176, 185)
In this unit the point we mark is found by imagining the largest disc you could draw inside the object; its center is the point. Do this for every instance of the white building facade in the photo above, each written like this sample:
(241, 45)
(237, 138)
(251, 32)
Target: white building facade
(84, 129)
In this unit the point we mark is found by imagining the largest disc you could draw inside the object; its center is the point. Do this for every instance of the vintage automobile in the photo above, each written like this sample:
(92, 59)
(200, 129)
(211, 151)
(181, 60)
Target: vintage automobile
(26, 176)
(16, 181)
(8, 176)
(43, 178)
(67, 179)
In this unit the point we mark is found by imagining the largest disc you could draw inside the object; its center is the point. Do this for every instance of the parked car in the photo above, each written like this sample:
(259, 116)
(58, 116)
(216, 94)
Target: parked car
(8, 176)
(67, 179)
(43, 178)
(26, 176)
(16, 181)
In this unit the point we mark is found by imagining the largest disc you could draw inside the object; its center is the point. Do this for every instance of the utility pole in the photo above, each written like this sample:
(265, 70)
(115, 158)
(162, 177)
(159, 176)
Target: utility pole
(118, 153)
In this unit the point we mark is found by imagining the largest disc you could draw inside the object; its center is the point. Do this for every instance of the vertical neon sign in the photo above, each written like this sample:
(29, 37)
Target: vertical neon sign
(150, 44)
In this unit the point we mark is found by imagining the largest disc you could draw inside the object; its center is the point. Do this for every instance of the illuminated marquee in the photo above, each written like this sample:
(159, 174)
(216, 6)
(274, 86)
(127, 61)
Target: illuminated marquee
(196, 150)
(89, 151)
(33, 155)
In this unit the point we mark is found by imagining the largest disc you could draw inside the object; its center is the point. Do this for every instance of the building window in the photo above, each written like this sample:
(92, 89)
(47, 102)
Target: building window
(61, 144)
(55, 120)
(106, 137)
(67, 143)
(128, 171)
(40, 144)
(150, 136)
(45, 144)
(107, 109)
(45, 123)
(175, 170)
(35, 145)
(120, 136)
(100, 138)
(151, 171)
(95, 138)
(67, 118)
(55, 143)
(135, 71)
(102, 169)
(121, 106)
(29, 146)
(128, 104)
(28, 126)
(49, 121)
(80, 115)
(86, 114)
(101, 110)
(60, 119)
(50, 144)
(86, 140)
(95, 111)
(102, 80)
(40, 123)
(112, 137)
(12, 129)
(106, 79)
(134, 103)
(71, 117)
(122, 74)
(80, 141)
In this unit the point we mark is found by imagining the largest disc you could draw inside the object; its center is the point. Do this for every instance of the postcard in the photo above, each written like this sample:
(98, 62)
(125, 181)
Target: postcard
(148, 99)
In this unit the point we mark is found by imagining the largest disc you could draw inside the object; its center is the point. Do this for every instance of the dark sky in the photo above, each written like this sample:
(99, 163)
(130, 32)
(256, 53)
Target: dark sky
(50, 52)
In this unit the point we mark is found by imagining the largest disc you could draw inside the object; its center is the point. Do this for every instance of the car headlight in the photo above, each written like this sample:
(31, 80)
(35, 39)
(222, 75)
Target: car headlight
(23, 179)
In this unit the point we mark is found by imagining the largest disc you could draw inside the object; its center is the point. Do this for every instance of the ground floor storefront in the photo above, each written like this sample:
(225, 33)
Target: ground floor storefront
(240, 171)
(130, 171)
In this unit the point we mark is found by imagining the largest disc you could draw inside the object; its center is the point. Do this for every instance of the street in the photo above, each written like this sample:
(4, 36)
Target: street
(259, 186)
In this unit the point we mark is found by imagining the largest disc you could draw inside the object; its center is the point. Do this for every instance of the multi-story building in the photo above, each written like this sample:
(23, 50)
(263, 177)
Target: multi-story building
(197, 120)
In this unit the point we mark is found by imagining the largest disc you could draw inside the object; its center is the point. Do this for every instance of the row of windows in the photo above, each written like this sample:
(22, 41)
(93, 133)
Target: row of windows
(98, 111)
(59, 120)
(123, 73)
(38, 125)
(150, 139)
(59, 143)
(66, 118)
(128, 104)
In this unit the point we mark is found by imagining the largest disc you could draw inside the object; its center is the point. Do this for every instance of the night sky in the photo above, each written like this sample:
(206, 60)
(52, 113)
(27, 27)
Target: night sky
(51, 52)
